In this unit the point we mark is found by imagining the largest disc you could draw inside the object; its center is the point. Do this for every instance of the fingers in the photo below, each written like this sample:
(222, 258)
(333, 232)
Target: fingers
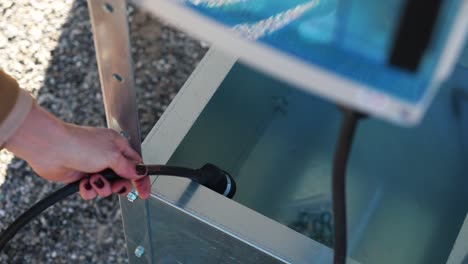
(143, 187)
(121, 186)
(124, 167)
(96, 185)
(100, 185)
(86, 190)
(126, 149)
(72, 176)
(124, 160)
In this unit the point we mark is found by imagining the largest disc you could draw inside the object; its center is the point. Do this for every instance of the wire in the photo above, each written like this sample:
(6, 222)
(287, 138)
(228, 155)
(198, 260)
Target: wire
(43, 204)
(34, 211)
(166, 170)
(209, 176)
(340, 160)
(348, 128)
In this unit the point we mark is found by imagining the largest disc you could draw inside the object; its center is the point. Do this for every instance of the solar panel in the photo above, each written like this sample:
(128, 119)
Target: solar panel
(386, 58)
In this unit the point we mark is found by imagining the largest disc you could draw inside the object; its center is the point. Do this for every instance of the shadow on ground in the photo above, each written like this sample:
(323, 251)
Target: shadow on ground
(75, 230)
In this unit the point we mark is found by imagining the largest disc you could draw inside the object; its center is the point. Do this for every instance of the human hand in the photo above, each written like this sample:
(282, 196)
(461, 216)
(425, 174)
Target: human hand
(63, 152)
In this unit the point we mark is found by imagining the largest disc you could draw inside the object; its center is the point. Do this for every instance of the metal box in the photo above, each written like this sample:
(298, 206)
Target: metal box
(406, 186)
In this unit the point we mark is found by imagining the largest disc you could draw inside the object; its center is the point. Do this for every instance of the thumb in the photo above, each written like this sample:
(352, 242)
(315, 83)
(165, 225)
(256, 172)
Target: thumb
(124, 167)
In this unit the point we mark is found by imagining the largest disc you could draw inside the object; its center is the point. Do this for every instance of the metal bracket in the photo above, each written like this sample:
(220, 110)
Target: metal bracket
(111, 40)
(110, 31)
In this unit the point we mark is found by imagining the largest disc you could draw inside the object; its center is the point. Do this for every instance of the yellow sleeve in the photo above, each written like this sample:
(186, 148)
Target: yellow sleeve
(15, 105)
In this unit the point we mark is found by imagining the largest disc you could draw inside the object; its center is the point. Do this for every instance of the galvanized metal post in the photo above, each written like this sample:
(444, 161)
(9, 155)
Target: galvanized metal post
(111, 39)
(110, 32)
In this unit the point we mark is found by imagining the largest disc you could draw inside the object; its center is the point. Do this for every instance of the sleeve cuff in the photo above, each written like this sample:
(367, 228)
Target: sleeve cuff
(16, 117)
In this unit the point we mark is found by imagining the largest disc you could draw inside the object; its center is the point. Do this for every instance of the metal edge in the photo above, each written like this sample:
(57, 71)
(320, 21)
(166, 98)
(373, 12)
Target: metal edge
(294, 71)
(113, 55)
(242, 223)
(452, 50)
(459, 252)
(189, 102)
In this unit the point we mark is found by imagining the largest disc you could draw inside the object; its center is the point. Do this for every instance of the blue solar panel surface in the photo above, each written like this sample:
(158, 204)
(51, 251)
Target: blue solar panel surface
(352, 38)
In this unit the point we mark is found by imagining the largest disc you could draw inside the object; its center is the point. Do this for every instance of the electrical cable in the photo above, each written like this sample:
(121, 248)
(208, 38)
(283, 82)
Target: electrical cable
(43, 204)
(340, 160)
(220, 181)
(209, 176)
(34, 211)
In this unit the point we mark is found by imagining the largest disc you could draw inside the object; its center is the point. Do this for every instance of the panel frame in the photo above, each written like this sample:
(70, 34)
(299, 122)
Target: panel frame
(459, 252)
(111, 37)
(309, 77)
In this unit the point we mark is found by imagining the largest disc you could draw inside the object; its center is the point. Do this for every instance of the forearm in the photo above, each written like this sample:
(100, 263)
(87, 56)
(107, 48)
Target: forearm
(15, 105)
(64, 152)
(38, 133)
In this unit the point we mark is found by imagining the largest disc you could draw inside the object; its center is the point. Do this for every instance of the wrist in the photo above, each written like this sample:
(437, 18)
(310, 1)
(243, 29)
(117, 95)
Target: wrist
(37, 134)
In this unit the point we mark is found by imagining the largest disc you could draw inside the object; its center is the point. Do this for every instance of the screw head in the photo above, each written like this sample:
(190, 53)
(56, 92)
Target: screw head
(108, 8)
(132, 196)
(125, 135)
(139, 251)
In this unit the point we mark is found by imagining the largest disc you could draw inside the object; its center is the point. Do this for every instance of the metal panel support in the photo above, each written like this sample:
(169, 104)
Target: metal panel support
(111, 40)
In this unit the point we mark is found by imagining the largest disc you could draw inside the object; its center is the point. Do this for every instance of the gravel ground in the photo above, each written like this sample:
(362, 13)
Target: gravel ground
(47, 46)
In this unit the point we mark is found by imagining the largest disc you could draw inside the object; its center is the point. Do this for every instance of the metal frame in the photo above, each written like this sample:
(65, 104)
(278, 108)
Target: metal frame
(459, 252)
(110, 29)
(111, 40)
(200, 203)
(308, 77)
(227, 216)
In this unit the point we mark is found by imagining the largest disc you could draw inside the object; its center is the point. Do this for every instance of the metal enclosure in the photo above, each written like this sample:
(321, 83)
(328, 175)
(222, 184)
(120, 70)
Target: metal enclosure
(406, 187)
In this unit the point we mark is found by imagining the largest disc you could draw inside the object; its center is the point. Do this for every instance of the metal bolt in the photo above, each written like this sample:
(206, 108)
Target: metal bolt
(280, 104)
(108, 7)
(132, 196)
(139, 251)
(117, 77)
(125, 135)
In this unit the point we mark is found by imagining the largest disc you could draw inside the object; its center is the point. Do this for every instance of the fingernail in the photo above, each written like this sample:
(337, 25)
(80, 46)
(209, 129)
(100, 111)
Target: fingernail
(99, 183)
(87, 186)
(141, 170)
(122, 190)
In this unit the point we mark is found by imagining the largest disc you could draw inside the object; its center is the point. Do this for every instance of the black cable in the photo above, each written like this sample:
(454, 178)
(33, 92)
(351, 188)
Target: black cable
(34, 211)
(209, 176)
(340, 160)
(42, 205)
(209, 172)
(416, 28)
(166, 170)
